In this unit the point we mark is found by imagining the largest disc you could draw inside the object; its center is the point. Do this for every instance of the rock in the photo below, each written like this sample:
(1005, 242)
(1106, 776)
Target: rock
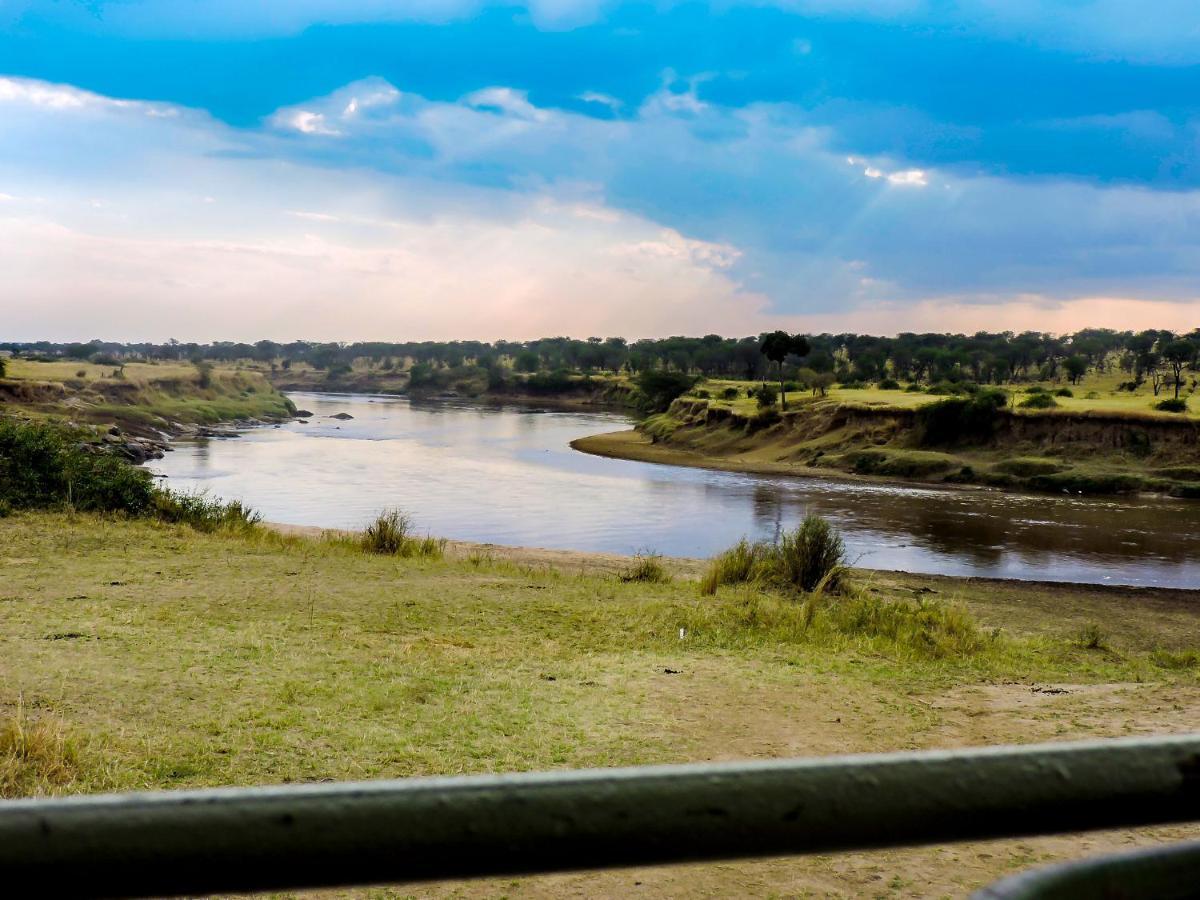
(302, 421)
(341, 416)
(302, 414)
(114, 430)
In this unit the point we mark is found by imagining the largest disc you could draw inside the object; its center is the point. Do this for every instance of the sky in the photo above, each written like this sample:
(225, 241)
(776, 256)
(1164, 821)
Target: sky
(440, 169)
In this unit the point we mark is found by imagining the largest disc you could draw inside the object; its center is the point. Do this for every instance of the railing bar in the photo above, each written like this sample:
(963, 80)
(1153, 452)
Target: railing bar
(230, 839)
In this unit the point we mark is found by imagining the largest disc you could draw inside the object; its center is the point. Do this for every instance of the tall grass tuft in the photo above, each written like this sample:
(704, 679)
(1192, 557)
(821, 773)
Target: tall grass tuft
(391, 534)
(204, 513)
(810, 558)
(647, 567)
(741, 563)
(35, 757)
(1091, 637)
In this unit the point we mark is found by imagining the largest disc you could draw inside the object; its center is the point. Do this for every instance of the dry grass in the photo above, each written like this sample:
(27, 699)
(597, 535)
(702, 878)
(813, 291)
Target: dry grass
(35, 756)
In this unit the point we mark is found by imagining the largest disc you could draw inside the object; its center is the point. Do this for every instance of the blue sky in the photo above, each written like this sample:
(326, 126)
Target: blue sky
(441, 169)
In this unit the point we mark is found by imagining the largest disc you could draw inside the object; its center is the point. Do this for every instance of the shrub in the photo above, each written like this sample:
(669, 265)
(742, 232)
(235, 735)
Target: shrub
(811, 557)
(44, 465)
(889, 384)
(646, 567)
(1027, 467)
(391, 534)
(913, 388)
(1172, 404)
(730, 393)
(960, 419)
(766, 395)
(1064, 392)
(1172, 659)
(657, 388)
(852, 385)
(1038, 401)
(82, 373)
(765, 418)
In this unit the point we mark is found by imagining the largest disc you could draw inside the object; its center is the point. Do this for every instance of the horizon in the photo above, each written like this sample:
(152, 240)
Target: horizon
(459, 170)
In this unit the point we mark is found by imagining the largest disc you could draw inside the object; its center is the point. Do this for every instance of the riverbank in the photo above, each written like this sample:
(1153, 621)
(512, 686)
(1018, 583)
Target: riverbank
(1090, 452)
(208, 659)
(144, 402)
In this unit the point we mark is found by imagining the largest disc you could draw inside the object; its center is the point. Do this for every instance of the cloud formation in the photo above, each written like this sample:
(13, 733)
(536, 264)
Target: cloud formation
(596, 167)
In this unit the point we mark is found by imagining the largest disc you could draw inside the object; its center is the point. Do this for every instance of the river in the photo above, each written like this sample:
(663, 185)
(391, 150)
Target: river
(507, 475)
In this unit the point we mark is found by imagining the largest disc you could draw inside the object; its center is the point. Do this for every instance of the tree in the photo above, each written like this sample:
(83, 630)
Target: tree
(1178, 354)
(778, 346)
(3, 366)
(1075, 366)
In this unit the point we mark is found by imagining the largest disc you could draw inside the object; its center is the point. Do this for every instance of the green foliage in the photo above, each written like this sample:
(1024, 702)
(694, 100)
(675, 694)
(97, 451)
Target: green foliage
(204, 513)
(1064, 392)
(811, 557)
(730, 393)
(550, 383)
(658, 387)
(420, 375)
(49, 466)
(766, 395)
(1180, 660)
(527, 361)
(647, 567)
(910, 464)
(960, 419)
(1038, 401)
(889, 384)
(1172, 404)
(3, 366)
(391, 534)
(1091, 637)
(1027, 467)
(204, 372)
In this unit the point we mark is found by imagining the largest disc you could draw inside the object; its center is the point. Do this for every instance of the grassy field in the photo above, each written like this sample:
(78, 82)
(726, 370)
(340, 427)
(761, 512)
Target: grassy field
(140, 397)
(1096, 392)
(142, 655)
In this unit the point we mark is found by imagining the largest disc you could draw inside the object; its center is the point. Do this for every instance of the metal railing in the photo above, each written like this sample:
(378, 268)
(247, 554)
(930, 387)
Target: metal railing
(320, 835)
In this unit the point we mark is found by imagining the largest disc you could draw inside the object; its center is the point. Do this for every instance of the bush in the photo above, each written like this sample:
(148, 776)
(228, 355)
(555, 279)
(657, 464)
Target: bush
(658, 388)
(647, 567)
(765, 418)
(43, 465)
(1064, 392)
(391, 534)
(766, 395)
(889, 384)
(811, 557)
(1038, 401)
(702, 395)
(913, 388)
(960, 419)
(1172, 404)
(730, 393)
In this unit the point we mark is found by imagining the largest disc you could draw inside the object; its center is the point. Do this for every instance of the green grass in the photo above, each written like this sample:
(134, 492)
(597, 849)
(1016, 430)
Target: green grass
(138, 654)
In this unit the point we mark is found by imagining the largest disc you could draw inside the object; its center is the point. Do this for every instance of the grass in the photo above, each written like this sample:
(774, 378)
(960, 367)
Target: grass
(391, 534)
(646, 567)
(36, 757)
(158, 656)
(810, 558)
(146, 398)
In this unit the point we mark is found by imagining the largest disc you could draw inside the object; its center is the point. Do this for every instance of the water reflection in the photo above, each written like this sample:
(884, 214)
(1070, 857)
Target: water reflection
(508, 475)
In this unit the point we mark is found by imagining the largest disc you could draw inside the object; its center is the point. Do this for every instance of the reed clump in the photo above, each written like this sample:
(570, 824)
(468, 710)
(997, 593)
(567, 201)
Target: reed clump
(810, 558)
(35, 756)
(391, 534)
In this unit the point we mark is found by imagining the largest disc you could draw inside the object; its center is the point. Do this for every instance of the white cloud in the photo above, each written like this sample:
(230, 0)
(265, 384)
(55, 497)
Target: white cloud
(306, 122)
(603, 99)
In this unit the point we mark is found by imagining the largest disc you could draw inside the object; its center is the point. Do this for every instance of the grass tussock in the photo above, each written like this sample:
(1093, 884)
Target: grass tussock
(1091, 637)
(810, 558)
(1178, 660)
(204, 513)
(647, 568)
(35, 756)
(391, 534)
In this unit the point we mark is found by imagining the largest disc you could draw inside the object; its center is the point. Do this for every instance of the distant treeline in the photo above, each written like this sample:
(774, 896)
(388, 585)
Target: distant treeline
(983, 357)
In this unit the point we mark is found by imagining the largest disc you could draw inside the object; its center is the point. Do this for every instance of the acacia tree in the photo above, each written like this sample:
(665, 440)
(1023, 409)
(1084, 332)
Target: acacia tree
(1076, 366)
(1178, 354)
(778, 346)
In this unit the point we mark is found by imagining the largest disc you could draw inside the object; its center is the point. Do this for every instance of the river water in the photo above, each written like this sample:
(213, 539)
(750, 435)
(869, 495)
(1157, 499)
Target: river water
(507, 475)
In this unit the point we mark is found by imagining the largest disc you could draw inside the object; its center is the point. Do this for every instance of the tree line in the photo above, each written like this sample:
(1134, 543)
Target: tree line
(1157, 356)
